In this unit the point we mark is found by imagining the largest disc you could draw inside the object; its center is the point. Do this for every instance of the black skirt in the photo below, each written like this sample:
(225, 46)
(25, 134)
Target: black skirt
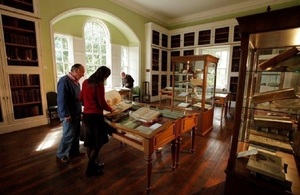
(95, 130)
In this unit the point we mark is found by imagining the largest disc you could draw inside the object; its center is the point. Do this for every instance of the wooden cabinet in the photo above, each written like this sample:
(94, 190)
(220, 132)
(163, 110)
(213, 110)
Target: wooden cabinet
(175, 41)
(157, 59)
(235, 58)
(27, 7)
(193, 87)
(162, 44)
(236, 34)
(189, 39)
(221, 35)
(22, 94)
(267, 120)
(204, 37)
(233, 87)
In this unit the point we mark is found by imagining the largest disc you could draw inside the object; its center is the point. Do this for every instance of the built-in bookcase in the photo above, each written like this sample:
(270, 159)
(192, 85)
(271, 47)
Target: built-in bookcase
(25, 5)
(22, 96)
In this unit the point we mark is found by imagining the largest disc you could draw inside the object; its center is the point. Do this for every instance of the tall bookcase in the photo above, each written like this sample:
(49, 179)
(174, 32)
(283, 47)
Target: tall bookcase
(22, 92)
(157, 70)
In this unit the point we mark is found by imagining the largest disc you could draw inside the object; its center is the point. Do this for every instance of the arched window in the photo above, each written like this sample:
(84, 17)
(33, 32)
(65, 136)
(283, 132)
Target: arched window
(97, 45)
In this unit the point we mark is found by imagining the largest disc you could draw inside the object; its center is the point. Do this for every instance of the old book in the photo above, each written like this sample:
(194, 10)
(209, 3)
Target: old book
(268, 64)
(267, 164)
(145, 114)
(274, 95)
(270, 143)
(276, 122)
(114, 100)
(270, 135)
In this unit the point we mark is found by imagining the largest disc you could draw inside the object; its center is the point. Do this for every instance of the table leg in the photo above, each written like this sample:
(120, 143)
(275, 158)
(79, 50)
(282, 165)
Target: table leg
(178, 140)
(193, 139)
(173, 149)
(149, 170)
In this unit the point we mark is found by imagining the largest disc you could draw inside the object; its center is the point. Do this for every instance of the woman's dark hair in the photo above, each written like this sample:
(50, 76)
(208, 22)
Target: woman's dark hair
(100, 75)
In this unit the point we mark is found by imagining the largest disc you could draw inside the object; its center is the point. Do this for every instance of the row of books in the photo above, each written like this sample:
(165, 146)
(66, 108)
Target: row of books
(17, 53)
(20, 39)
(26, 95)
(28, 111)
(17, 80)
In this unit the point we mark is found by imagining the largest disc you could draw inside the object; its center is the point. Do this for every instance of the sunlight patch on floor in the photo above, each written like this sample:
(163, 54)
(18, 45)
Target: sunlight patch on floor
(50, 139)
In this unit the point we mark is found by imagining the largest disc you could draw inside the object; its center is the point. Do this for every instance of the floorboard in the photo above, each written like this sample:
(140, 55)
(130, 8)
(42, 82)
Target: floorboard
(28, 165)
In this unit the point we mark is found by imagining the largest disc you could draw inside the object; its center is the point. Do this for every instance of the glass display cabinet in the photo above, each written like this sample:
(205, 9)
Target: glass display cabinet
(264, 155)
(193, 87)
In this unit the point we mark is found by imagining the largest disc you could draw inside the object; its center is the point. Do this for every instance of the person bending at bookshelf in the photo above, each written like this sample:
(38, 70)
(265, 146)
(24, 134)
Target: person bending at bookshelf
(94, 126)
(127, 80)
(69, 112)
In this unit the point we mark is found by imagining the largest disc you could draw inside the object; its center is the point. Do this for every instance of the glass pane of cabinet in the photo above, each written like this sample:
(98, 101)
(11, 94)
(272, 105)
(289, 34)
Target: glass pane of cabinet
(26, 95)
(25, 5)
(20, 41)
(265, 148)
(193, 86)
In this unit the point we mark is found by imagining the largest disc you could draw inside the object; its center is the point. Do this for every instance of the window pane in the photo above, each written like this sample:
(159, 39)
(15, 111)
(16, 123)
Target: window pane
(96, 34)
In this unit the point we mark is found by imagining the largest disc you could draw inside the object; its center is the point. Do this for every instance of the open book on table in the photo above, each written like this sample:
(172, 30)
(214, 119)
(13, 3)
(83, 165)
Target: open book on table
(114, 100)
(145, 114)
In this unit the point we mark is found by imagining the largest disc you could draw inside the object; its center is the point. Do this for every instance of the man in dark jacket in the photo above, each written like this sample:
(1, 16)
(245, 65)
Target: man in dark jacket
(69, 112)
(127, 80)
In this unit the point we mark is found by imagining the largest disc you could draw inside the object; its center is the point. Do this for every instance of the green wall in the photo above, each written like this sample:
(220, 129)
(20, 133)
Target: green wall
(73, 25)
(118, 19)
(66, 26)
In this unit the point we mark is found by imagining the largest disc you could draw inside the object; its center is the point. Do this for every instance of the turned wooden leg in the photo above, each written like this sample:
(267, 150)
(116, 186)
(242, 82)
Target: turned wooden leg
(193, 133)
(178, 150)
(149, 170)
(173, 150)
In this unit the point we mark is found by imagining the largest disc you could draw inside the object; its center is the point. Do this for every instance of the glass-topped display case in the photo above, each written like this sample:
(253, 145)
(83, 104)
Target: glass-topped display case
(193, 86)
(265, 147)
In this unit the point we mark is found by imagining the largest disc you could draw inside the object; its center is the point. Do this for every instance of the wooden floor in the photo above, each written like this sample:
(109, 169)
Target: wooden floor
(28, 165)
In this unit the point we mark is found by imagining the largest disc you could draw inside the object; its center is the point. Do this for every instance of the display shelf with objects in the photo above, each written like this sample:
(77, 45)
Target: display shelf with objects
(267, 113)
(193, 87)
(23, 100)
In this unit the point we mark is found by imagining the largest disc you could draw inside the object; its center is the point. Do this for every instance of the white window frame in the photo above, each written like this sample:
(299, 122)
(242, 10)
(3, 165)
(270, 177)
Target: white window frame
(98, 57)
(223, 53)
(66, 64)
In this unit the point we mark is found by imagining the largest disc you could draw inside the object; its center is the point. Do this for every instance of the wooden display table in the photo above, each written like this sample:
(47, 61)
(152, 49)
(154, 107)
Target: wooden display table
(172, 125)
(223, 100)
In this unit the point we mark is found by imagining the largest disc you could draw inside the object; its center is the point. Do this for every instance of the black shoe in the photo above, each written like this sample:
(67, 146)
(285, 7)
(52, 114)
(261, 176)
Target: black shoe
(91, 173)
(100, 166)
(76, 155)
(63, 160)
(94, 169)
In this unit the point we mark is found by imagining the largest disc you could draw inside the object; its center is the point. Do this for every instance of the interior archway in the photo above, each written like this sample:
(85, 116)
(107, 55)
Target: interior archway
(126, 31)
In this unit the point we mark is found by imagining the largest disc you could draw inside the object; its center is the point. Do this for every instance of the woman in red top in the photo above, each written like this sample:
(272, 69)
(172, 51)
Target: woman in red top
(95, 127)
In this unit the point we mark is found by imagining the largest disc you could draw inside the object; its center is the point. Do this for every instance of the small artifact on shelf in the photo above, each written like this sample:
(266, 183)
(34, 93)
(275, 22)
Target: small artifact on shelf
(268, 64)
(270, 143)
(277, 122)
(267, 164)
(274, 95)
(196, 82)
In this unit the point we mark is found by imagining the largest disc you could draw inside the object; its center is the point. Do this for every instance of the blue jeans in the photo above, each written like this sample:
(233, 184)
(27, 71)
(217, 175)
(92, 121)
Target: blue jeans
(69, 143)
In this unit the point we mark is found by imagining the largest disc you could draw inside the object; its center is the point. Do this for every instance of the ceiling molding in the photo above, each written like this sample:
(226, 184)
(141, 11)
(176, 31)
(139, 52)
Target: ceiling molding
(212, 13)
(232, 9)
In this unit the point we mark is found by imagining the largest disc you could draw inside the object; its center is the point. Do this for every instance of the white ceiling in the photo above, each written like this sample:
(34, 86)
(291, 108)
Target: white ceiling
(173, 12)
